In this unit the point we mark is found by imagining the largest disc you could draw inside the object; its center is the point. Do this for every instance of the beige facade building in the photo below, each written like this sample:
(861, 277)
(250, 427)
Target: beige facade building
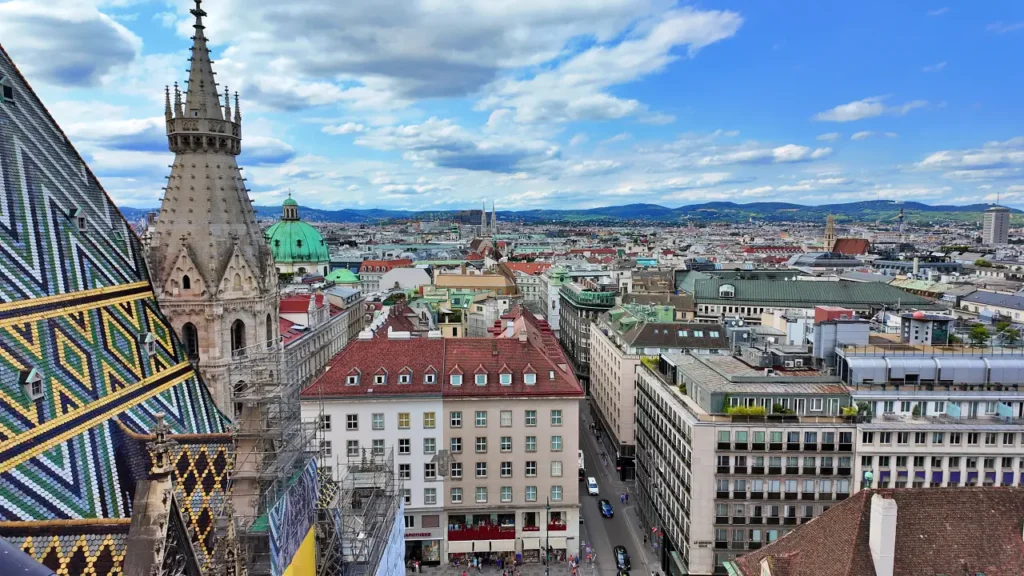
(212, 269)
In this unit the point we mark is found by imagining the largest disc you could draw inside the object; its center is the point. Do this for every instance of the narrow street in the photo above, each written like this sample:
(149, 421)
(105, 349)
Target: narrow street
(605, 533)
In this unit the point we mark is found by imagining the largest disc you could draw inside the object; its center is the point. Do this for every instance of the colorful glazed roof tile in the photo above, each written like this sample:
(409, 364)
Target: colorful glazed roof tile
(86, 357)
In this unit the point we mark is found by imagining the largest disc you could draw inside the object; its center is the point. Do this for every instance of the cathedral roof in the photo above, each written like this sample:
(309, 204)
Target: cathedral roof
(87, 359)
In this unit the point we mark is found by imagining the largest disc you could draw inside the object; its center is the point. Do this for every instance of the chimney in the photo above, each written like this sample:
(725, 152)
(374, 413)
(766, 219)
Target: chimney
(522, 336)
(882, 536)
(509, 328)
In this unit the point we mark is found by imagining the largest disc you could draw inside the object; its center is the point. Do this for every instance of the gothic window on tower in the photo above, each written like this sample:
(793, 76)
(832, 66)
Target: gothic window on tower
(238, 339)
(237, 282)
(186, 282)
(190, 336)
(270, 332)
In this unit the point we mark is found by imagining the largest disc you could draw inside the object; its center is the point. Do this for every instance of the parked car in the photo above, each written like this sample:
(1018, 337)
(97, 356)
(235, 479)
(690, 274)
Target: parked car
(606, 508)
(621, 558)
(592, 486)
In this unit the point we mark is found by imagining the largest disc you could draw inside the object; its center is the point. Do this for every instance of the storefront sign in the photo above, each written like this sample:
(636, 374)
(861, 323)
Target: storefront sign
(531, 528)
(418, 534)
(703, 543)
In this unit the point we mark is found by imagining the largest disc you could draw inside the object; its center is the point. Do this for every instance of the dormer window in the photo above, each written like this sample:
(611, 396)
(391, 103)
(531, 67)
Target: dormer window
(456, 380)
(6, 91)
(481, 379)
(505, 379)
(149, 343)
(726, 291)
(429, 378)
(33, 383)
(352, 380)
(551, 374)
(404, 378)
(529, 378)
(380, 379)
(78, 218)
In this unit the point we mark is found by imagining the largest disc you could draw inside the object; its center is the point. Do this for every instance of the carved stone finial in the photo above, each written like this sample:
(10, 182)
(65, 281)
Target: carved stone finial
(160, 448)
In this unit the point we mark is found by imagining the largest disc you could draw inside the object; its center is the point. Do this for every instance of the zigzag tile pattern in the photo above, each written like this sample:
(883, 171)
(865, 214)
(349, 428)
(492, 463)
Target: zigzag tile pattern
(78, 319)
(95, 550)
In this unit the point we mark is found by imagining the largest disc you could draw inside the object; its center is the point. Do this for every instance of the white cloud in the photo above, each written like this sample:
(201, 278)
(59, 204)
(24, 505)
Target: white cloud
(937, 67)
(778, 155)
(578, 139)
(594, 168)
(867, 108)
(346, 128)
(1005, 27)
(621, 137)
(1005, 157)
(65, 42)
(814, 184)
(863, 134)
(829, 136)
(938, 11)
(575, 89)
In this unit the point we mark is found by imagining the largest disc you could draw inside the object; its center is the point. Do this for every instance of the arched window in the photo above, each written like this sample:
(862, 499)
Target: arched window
(302, 269)
(237, 282)
(190, 336)
(186, 282)
(238, 338)
(270, 332)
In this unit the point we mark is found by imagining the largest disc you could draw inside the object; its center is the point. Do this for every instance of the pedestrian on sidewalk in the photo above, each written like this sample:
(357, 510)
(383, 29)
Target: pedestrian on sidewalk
(645, 539)
(627, 497)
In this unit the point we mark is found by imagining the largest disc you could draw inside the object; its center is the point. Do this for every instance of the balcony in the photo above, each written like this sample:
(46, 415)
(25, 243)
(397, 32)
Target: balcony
(754, 545)
(828, 447)
(739, 520)
(773, 521)
(810, 447)
(842, 496)
(757, 470)
(724, 445)
(774, 496)
(758, 445)
(721, 519)
(556, 527)
(739, 446)
(741, 470)
(792, 496)
(775, 446)
(844, 471)
(739, 495)
(487, 532)
(826, 496)
(773, 470)
(721, 545)
(846, 447)
(738, 545)
(828, 471)
(792, 470)
(756, 520)
(793, 446)
(722, 469)
(790, 521)
(807, 496)
(722, 495)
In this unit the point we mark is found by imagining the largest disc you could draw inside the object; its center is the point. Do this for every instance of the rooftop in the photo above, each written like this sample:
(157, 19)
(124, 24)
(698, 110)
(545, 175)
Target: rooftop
(720, 373)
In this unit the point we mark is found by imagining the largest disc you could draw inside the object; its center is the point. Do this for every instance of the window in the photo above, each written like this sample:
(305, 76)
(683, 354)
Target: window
(866, 461)
(456, 495)
(190, 336)
(867, 437)
(954, 438)
(972, 462)
(376, 421)
(883, 461)
(481, 444)
(429, 378)
(940, 407)
(556, 468)
(325, 448)
(920, 438)
(506, 443)
(990, 439)
(456, 445)
(455, 419)
(506, 493)
(405, 471)
(506, 469)
(531, 468)
(954, 461)
(481, 494)
(972, 438)
(807, 486)
(324, 422)
(410, 521)
(1008, 438)
(404, 447)
(902, 437)
(1007, 462)
(404, 420)
(531, 493)
(885, 437)
(990, 463)
(481, 469)
(531, 417)
(938, 437)
(352, 422)
(556, 443)
(380, 379)
(505, 379)
(901, 461)
(905, 406)
(352, 448)
(556, 493)
(529, 378)
(816, 404)
(936, 462)
(429, 445)
(556, 417)
(481, 418)
(430, 471)
(990, 407)
(238, 338)
(790, 485)
(6, 90)
(456, 470)
(352, 380)
(429, 420)
(810, 437)
(481, 379)
(405, 379)
(506, 418)
(531, 443)
(407, 496)
(455, 380)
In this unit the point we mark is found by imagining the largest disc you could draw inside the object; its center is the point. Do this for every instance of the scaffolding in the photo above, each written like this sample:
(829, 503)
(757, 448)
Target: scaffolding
(357, 513)
(272, 443)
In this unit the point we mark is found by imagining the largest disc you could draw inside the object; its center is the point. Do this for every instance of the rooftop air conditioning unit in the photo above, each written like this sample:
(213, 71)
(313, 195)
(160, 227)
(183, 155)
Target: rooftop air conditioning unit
(798, 363)
(789, 363)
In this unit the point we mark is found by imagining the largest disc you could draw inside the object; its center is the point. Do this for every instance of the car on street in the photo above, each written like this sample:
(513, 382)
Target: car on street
(592, 486)
(621, 558)
(606, 508)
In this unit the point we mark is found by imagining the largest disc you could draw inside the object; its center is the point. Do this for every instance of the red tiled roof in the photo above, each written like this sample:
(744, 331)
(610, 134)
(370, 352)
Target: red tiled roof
(771, 249)
(531, 268)
(474, 256)
(386, 265)
(938, 531)
(851, 246)
(465, 355)
(299, 303)
(611, 251)
(289, 331)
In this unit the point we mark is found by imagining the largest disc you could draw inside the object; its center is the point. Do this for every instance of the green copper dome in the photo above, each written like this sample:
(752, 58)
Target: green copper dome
(292, 240)
(342, 276)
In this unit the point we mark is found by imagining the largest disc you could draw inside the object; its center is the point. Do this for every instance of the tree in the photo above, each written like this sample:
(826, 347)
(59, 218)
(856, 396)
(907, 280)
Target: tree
(1010, 336)
(982, 263)
(979, 335)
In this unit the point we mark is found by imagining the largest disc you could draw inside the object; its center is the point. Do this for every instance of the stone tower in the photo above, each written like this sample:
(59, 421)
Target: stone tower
(494, 220)
(830, 234)
(213, 272)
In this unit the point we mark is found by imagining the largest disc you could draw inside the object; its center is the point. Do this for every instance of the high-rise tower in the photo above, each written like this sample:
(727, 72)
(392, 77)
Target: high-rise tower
(830, 234)
(212, 269)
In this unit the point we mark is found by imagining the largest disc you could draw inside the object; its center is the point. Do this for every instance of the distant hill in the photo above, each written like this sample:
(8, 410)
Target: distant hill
(866, 211)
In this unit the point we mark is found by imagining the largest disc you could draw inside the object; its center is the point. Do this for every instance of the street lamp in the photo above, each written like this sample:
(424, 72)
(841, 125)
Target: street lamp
(547, 537)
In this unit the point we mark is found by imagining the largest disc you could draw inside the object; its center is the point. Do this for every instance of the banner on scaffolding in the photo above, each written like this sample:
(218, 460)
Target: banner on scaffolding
(292, 544)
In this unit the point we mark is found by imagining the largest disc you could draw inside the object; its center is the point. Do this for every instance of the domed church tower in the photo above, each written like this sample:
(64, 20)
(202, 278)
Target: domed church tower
(297, 247)
(212, 269)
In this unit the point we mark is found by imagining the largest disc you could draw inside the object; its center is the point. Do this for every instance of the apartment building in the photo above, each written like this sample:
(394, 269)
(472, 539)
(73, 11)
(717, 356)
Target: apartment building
(485, 433)
(619, 339)
(550, 284)
(715, 482)
(371, 271)
(527, 276)
(579, 307)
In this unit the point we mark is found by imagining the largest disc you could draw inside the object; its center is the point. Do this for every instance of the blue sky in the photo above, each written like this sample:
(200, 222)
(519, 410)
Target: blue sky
(437, 104)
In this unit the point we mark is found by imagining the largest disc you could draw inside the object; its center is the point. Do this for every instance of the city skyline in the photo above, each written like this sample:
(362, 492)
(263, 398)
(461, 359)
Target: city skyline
(433, 107)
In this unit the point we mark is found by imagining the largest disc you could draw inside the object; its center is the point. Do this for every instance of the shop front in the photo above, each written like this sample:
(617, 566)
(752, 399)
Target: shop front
(423, 546)
(531, 550)
(487, 538)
